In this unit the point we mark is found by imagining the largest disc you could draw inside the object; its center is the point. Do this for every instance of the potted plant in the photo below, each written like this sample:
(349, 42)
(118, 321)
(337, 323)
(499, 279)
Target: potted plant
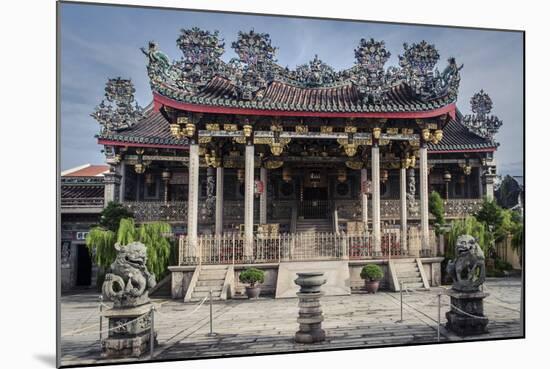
(372, 274)
(252, 277)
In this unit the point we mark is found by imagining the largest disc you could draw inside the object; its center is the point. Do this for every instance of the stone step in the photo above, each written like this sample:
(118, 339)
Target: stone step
(414, 285)
(410, 280)
(214, 267)
(211, 275)
(408, 274)
(215, 289)
(202, 294)
(210, 282)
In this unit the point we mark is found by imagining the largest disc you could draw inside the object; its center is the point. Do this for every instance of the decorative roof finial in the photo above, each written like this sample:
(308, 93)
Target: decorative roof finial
(481, 123)
(118, 113)
(371, 54)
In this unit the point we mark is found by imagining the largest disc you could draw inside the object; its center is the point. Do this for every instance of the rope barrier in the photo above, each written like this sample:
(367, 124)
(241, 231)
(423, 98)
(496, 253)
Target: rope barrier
(78, 331)
(468, 314)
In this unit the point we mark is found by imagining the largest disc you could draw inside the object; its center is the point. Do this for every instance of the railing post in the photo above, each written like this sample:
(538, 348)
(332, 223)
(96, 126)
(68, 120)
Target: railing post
(438, 316)
(100, 317)
(152, 333)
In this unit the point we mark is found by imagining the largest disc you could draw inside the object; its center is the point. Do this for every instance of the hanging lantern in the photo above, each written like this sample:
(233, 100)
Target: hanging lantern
(447, 176)
(240, 175)
(287, 176)
(376, 132)
(166, 175)
(139, 168)
(426, 134)
(189, 129)
(175, 130)
(276, 148)
(383, 176)
(438, 135)
(350, 149)
(467, 169)
(342, 175)
(247, 130)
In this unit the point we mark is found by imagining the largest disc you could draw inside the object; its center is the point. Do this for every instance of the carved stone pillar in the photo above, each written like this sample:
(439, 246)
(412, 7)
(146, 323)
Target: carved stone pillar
(219, 200)
(488, 180)
(249, 201)
(210, 193)
(263, 196)
(403, 207)
(364, 200)
(193, 200)
(122, 192)
(376, 234)
(424, 227)
(112, 189)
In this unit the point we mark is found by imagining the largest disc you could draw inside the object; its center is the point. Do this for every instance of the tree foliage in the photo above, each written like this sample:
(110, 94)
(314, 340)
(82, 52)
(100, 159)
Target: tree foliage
(471, 226)
(155, 237)
(437, 208)
(112, 214)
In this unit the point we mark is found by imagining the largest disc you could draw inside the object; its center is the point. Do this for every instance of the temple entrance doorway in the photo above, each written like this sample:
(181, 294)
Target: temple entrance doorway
(314, 203)
(84, 266)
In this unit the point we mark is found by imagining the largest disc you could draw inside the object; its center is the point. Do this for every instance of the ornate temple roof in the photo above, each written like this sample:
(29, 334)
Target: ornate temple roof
(253, 80)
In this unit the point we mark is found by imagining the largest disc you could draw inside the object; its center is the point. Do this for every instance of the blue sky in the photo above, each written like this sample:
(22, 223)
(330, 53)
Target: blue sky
(99, 42)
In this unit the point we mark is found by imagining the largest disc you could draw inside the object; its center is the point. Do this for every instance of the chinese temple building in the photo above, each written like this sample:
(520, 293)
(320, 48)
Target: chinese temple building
(255, 163)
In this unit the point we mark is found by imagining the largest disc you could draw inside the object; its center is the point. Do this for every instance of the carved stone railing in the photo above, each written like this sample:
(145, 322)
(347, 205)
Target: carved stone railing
(389, 209)
(150, 211)
(90, 202)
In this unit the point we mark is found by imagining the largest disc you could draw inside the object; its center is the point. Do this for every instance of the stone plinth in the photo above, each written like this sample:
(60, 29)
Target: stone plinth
(469, 320)
(128, 340)
(310, 315)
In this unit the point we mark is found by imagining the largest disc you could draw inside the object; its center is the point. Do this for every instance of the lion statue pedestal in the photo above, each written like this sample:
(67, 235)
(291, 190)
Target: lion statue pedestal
(468, 272)
(127, 284)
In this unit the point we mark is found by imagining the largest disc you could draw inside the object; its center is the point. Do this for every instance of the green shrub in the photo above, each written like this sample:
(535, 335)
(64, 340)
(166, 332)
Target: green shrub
(474, 228)
(252, 276)
(372, 272)
(437, 208)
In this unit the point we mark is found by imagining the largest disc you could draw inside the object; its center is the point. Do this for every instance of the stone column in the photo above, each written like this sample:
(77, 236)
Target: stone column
(403, 207)
(112, 182)
(193, 200)
(249, 201)
(489, 180)
(424, 227)
(376, 236)
(263, 196)
(364, 200)
(219, 200)
(122, 191)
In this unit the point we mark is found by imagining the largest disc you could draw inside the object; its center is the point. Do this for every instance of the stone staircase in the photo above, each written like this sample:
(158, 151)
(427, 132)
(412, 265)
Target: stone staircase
(217, 278)
(407, 271)
(313, 225)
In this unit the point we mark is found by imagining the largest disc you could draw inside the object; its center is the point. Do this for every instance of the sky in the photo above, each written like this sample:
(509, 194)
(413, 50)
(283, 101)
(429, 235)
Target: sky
(100, 42)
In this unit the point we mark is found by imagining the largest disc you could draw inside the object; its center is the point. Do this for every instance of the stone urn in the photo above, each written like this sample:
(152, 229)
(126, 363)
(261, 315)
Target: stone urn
(372, 286)
(310, 315)
(252, 292)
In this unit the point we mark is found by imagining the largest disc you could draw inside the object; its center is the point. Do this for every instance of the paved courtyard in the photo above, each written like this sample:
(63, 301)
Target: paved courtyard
(268, 325)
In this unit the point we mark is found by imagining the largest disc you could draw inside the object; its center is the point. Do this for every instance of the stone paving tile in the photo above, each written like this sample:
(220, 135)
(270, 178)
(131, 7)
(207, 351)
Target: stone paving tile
(268, 325)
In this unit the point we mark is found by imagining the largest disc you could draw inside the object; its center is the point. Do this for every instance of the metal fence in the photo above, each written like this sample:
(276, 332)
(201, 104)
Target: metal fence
(231, 248)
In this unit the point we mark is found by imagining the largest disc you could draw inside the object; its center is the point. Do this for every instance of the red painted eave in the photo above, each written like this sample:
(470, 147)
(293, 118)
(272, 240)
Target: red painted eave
(160, 100)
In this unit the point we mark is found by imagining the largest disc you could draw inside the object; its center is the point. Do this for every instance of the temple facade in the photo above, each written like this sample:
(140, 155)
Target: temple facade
(254, 163)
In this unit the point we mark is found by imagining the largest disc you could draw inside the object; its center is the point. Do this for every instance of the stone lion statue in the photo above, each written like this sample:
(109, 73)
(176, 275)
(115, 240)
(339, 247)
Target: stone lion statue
(468, 267)
(128, 281)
